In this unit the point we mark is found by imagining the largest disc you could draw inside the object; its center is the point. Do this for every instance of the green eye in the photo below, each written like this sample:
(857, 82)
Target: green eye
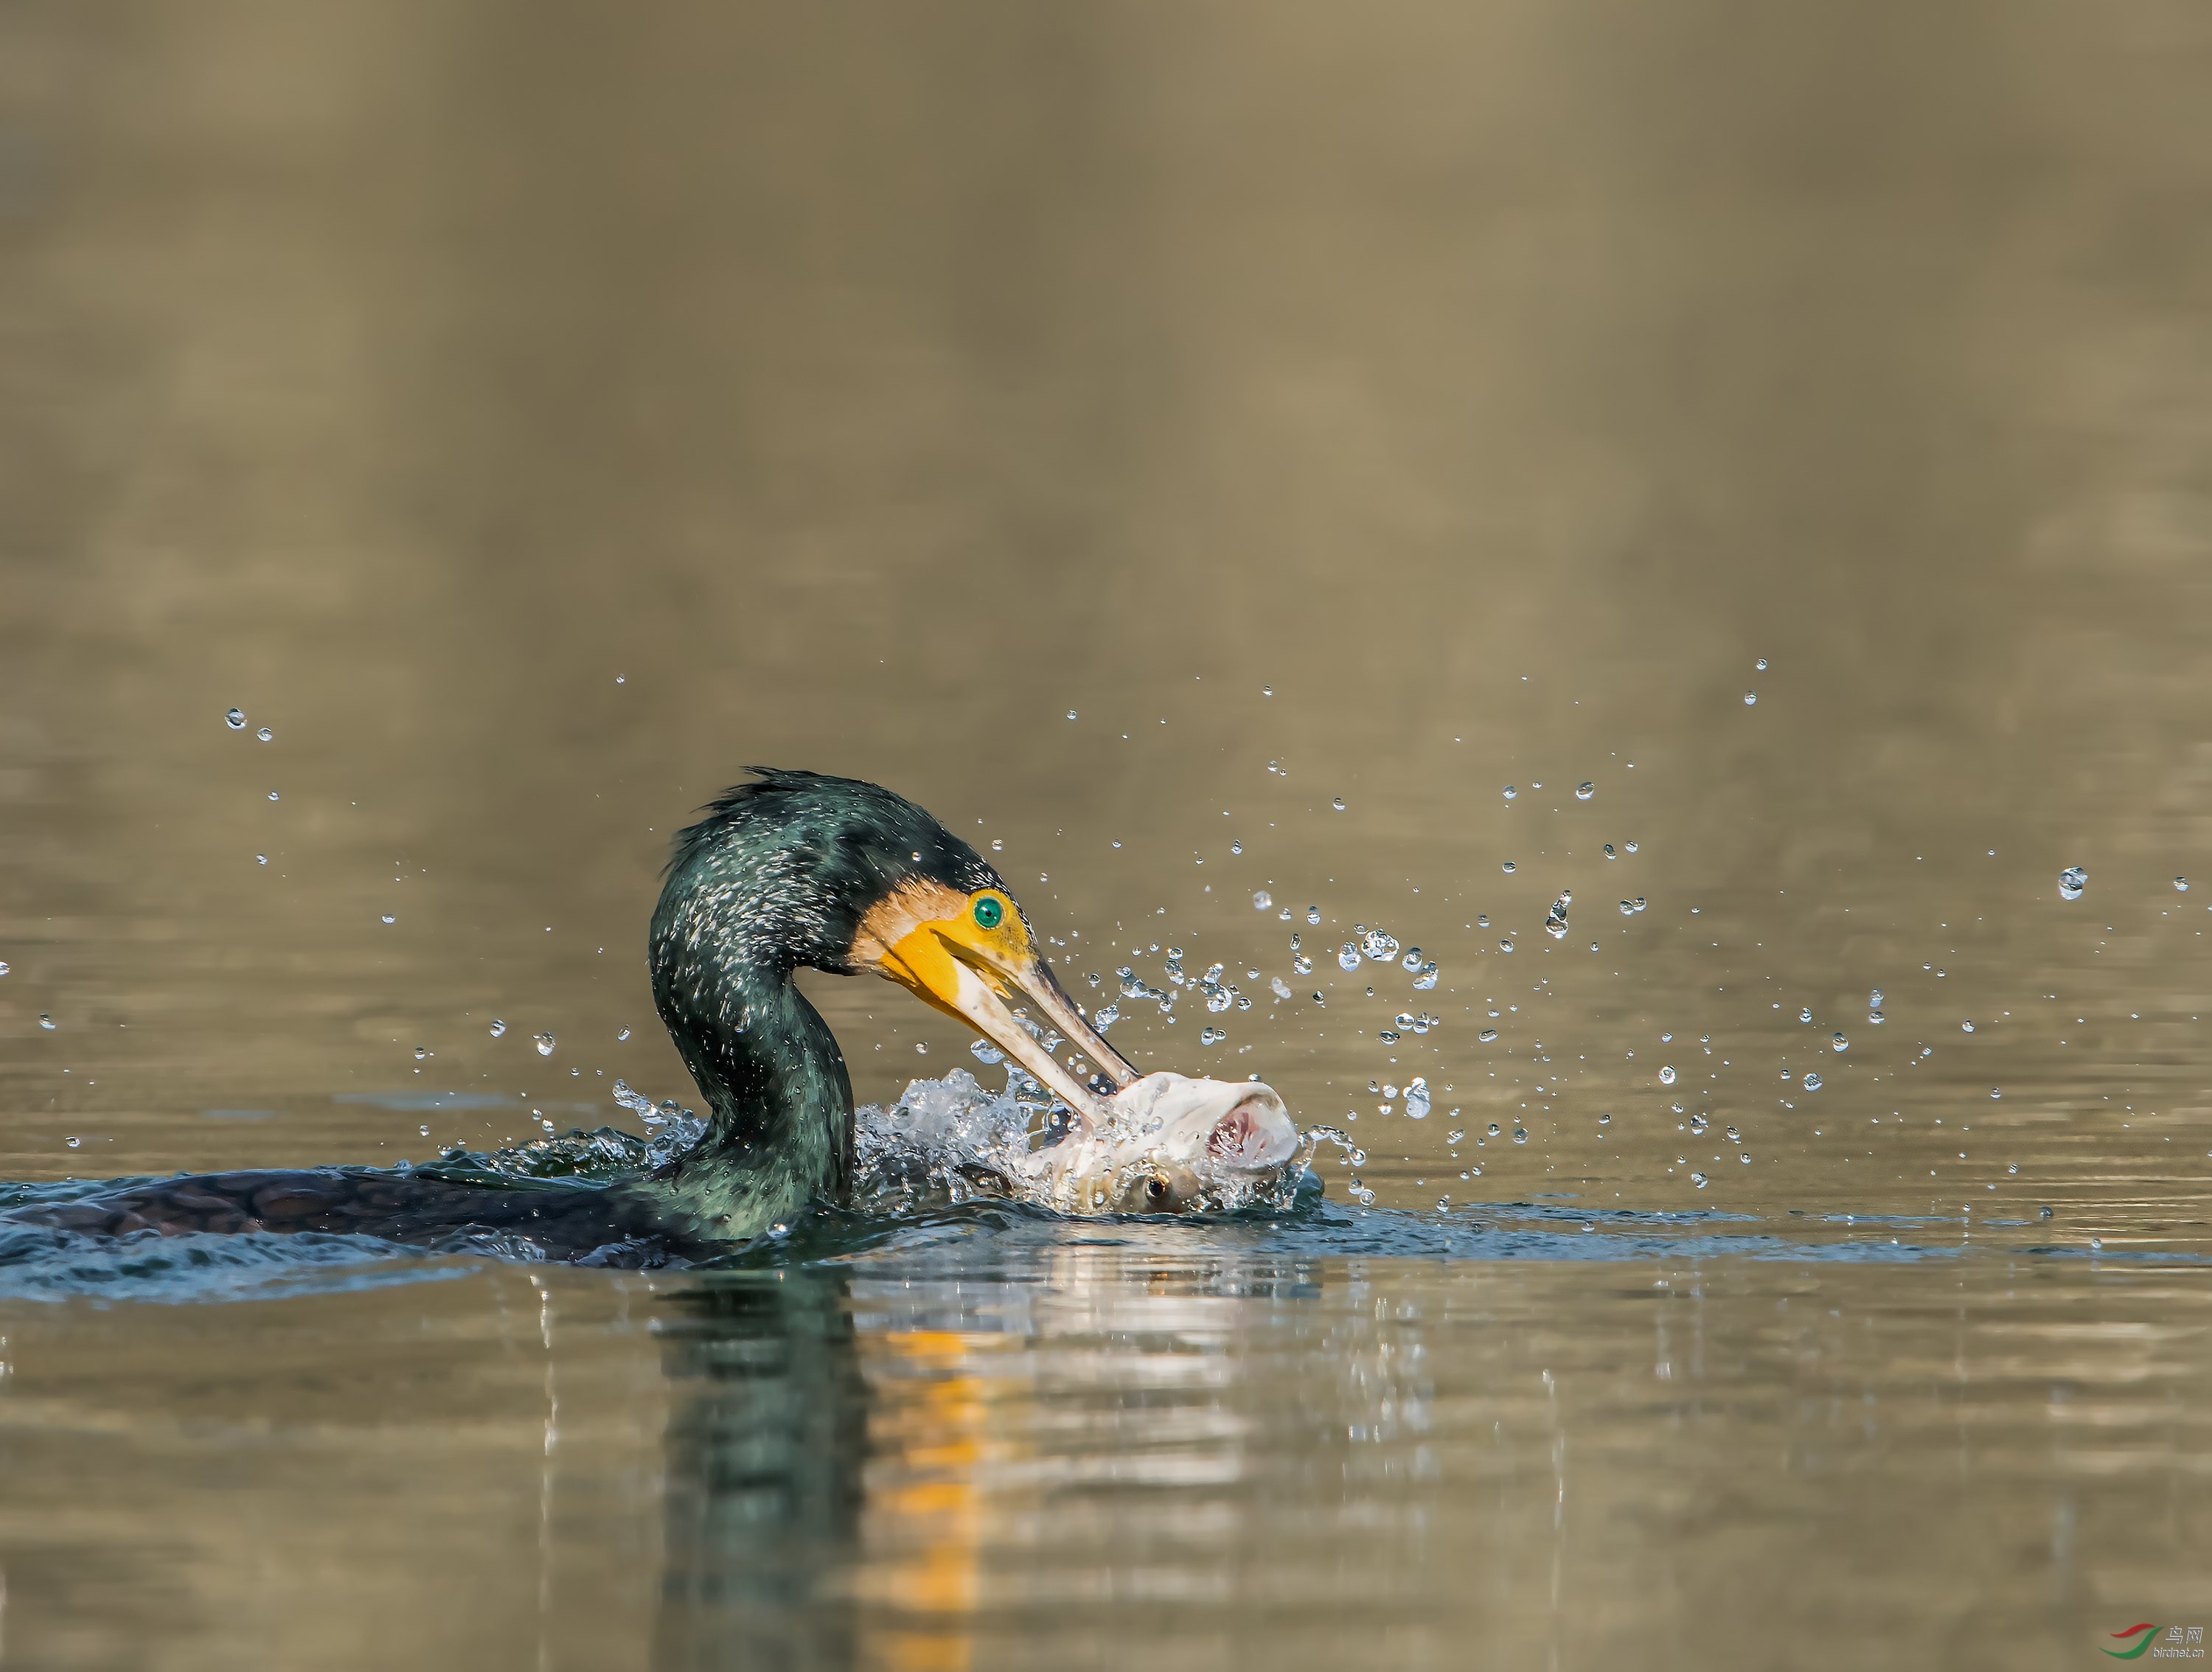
(989, 912)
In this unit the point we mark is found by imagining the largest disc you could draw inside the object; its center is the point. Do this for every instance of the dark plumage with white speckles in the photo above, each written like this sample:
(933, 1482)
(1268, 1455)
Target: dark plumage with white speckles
(779, 874)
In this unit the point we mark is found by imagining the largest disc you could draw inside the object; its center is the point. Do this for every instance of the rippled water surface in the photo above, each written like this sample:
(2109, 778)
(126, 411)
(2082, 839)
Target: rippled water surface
(1652, 539)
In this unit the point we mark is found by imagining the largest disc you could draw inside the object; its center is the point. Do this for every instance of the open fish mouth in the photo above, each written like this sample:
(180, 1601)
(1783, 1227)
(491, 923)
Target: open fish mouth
(1170, 1145)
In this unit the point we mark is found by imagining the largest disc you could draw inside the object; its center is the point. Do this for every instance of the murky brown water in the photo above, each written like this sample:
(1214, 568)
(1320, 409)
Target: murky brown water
(533, 416)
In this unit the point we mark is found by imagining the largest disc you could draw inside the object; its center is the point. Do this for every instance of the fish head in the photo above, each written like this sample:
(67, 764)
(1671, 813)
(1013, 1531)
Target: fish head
(1172, 1145)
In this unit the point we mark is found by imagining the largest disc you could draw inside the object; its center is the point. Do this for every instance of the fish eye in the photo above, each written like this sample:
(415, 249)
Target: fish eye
(1156, 1188)
(988, 913)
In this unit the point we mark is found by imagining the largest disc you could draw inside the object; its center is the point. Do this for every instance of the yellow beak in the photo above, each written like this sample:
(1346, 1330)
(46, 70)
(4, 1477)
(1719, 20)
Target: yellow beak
(979, 976)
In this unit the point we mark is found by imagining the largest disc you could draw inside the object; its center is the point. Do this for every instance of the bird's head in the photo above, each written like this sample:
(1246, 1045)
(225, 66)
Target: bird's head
(846, 876)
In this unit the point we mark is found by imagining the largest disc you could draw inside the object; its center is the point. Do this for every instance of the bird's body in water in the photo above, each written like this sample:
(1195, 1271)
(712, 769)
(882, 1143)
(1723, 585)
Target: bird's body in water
(791, 870)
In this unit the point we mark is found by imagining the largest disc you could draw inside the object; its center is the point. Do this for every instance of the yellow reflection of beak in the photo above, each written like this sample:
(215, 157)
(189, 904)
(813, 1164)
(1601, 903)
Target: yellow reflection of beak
(977, 976)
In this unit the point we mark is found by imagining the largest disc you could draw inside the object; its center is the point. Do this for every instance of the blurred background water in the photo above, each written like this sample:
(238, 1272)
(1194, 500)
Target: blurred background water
(1131, 432)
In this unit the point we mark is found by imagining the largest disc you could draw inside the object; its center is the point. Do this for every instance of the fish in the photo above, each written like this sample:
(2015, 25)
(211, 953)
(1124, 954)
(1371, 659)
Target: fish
(1169, 1144)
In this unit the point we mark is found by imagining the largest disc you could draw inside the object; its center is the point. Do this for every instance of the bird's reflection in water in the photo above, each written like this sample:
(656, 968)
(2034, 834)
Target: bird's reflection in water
(822, 1504)
(766, 1445)
(894, 1468)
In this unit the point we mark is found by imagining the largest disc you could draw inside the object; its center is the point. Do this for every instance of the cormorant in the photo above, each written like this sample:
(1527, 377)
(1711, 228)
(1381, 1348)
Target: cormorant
(790, 870)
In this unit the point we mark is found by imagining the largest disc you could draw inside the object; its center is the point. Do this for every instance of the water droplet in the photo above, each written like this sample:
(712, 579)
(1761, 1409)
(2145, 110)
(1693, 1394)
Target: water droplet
(1511, 794)
(2181, 884)
(266, 735)
(1212, 1035)
(1388, 1037)
(1811, 1082)
(1266, 690)
(1412, 960)
(1323, 1002)
(921, 1048)
(498, 1027)
(1487, 1034)
(623, 1035)
(1631, 847)
(47, 1022)
(1339, 804)
(1509, 866)
(1877, 1018)
(73, 1142)
(1666, 1076)
(1698, 1123)
(1698, 1179)
(2071, 881)
(1761, 665)
(1745, 1157)
(1605, 1119)
(1279, 987)
(1348, 957)
(1520, 1134)
(1403, 1020)
(272, 795)
(1583, 791)
(1997, 1091)
(1750, 697)
(1874, 1000)
(4, 966)
(1555, 924)
(1734, 1136)
(1839, 1043)
(389, 918)
(1071, 713)
(987, 1054)
(1313, 914)
(1505, 946)
(235, 719)
(1966, 1027)
(1235, 846)
(1378, 945)
(544, 1043)
(1806, 1014)
(1262, 900)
